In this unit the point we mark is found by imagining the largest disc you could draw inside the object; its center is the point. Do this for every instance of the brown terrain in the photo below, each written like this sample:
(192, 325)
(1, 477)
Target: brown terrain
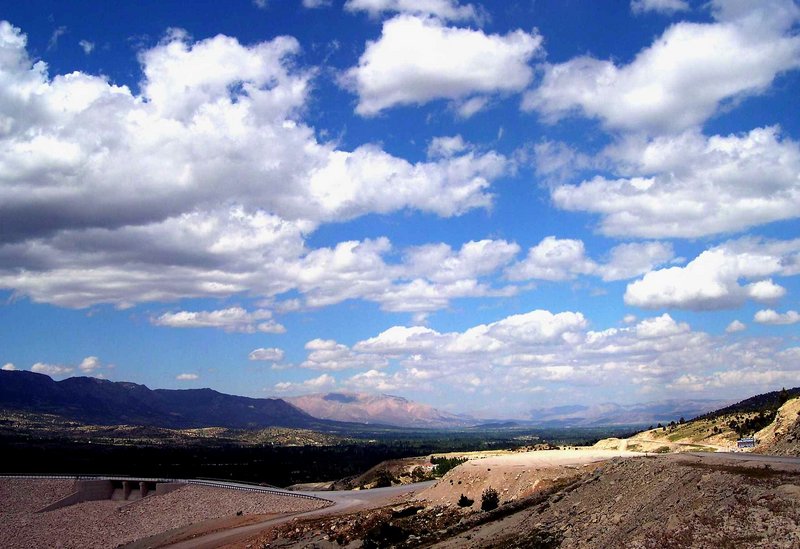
(601, 497)
(586, 498)
(113, 523)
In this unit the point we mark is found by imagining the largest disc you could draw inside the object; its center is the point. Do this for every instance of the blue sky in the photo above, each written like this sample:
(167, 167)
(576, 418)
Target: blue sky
(489, 207)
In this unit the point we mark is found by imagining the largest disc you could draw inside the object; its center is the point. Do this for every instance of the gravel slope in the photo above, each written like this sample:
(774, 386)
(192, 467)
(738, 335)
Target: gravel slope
(112, 523)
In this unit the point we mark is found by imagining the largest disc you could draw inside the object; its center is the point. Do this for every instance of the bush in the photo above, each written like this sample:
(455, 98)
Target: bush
(419, 474)
(383, 479)
(464, 501)
(490, 499)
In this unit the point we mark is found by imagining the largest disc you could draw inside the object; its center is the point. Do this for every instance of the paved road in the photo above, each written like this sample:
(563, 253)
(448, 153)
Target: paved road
(343, 501)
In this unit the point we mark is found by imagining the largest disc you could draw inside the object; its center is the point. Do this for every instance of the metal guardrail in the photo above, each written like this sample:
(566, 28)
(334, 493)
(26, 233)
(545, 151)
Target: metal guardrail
(199, 482)
(253, 488)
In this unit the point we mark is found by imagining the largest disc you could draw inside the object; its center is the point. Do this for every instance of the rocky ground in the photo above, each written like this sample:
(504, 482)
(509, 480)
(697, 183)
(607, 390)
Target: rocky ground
(643, 502)
(782, 437)
(654, 502)
(113, 523)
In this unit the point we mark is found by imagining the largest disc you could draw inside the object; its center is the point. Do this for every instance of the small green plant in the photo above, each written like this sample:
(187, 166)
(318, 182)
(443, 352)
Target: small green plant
(464, 501)
(490, 499)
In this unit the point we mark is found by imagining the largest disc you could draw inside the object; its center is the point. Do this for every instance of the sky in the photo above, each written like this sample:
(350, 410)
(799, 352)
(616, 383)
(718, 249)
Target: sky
(489, 207)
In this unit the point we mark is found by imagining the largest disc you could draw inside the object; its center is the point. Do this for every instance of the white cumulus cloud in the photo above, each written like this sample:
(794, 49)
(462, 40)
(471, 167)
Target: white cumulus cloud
(713, 280)
(268, 354)
(205, 184)
(735, 326)
(739, 54)
(769, 316)
(689, 185)
(233, 319)
(52, 369)
(564, 259)
(418, 59)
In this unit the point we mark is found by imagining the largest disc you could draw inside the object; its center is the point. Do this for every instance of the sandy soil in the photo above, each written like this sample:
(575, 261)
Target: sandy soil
(113, 523)
(515, 475)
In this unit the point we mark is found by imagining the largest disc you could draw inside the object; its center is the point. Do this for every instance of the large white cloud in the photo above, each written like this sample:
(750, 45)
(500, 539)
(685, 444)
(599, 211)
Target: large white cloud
(690, 185)
(205, 184)
(419, 59)
(681, 79)
(721, 277)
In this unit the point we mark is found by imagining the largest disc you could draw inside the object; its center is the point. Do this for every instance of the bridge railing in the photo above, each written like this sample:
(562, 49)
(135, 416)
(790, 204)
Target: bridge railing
(229, 485)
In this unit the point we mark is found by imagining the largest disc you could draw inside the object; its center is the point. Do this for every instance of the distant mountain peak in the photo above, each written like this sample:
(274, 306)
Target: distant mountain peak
(376, 409)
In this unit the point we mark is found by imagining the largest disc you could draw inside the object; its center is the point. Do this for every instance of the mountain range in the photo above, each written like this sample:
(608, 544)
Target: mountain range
(383, 409)
(102, 402)
(619, 414)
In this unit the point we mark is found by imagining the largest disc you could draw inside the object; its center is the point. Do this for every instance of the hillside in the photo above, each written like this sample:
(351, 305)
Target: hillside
(102, 402)
(377, 409)
(769, 417)
(782, 436)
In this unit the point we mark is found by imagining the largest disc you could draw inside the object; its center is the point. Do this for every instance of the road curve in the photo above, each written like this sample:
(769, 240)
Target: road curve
(343, 501)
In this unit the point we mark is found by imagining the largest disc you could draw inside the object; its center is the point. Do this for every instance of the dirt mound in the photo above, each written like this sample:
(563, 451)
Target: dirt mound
(670, 501)
(514, 476)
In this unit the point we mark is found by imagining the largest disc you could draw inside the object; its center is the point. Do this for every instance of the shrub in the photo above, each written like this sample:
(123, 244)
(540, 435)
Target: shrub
(383, 479)
(464, 501)
(490, 499)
